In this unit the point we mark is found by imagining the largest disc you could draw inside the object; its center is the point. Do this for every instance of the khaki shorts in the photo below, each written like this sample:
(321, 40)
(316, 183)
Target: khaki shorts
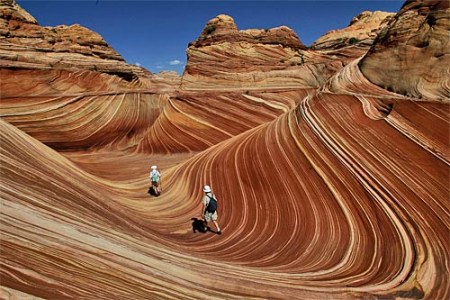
(210, 216)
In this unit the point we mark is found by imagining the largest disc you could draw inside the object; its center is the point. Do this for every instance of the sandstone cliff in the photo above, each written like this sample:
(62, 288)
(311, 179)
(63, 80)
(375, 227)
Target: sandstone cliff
(224, 57)
(361, 31)
(416, 43)
(24, 44)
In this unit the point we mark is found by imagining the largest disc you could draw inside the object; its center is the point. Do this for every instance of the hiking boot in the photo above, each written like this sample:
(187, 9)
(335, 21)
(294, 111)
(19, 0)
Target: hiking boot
(219, 232)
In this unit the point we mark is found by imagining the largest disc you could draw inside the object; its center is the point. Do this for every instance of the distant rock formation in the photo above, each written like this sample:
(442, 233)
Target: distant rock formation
(361, 31)
(222, 29)
(24, 44)
(226, 57)
(415, 42)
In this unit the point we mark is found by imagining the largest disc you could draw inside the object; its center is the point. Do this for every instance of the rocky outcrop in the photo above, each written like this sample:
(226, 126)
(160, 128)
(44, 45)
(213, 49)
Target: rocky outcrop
(222, 29)
(415, 42)
(361, 32)
(10, 10)
(224, 57)
(24, 44)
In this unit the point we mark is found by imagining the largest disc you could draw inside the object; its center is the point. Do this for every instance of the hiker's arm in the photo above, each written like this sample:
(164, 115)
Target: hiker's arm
(203, 209)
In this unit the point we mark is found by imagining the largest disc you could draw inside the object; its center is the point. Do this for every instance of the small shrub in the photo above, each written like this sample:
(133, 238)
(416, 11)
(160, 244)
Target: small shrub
(266, 30)
(431, 20)
(353, 41)
(210, 29)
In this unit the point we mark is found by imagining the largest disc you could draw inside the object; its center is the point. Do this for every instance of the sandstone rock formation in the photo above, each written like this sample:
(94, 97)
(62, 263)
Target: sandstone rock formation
(224, 57)
(329, 186)
(223, 29)
(24, 44)
(361, 31)
(422, 52)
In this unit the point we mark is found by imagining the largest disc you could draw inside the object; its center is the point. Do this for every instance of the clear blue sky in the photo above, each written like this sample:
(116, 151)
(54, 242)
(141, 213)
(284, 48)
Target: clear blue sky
(155, 34)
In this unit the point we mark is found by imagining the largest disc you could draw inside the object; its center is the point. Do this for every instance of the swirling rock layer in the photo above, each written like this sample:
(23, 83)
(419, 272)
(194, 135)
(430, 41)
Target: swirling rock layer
(329, 186)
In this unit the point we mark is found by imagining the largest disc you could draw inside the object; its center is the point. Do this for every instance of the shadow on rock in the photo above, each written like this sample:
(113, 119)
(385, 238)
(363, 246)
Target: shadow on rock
(199, 225)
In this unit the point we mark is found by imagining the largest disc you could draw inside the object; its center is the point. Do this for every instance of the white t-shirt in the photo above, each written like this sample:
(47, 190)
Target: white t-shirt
(155, 175)
(206, 198)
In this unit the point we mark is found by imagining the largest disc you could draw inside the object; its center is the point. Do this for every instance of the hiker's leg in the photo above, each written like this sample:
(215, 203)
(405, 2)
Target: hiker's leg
(206, 218)
(217, 225)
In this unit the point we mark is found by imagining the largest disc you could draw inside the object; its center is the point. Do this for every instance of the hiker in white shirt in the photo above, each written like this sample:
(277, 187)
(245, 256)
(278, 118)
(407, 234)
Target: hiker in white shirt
(155, 178)
(210, 211)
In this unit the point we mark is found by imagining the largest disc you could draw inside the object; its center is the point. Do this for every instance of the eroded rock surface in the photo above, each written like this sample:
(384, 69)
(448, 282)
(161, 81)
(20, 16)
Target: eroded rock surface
(416, 43)
(224, 57)
(361, 31)
(24, 44)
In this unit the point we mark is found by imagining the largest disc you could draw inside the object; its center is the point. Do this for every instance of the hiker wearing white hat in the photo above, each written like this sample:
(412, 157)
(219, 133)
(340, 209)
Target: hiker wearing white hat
(210, 207)
(155, 178)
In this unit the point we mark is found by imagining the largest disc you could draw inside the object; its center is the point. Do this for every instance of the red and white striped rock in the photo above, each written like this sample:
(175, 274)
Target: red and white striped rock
(331, 188)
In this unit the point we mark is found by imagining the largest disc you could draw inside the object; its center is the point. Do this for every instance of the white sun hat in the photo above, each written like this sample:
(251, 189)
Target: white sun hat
(207, 189)
(154, 167)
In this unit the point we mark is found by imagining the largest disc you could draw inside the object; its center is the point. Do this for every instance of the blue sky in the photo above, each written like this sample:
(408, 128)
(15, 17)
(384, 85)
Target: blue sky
(155, 34)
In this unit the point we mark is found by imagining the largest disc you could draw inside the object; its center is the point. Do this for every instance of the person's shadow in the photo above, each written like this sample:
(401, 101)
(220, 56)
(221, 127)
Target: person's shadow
(152, 192)
(199, 225)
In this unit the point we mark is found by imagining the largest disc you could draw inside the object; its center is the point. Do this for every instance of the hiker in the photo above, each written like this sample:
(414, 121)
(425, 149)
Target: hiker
(155, 178)
(210, 207)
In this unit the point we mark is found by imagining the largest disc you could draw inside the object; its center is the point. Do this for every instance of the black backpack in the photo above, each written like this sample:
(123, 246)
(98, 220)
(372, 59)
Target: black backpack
(212, 205)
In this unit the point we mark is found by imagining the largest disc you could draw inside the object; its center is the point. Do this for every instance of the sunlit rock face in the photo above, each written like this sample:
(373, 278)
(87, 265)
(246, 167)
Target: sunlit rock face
(67, 87)
(24, 44)
(330, 188)
(195, 121)
(361, 31)
(223, 29)
(224, 57)
(415, 43)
